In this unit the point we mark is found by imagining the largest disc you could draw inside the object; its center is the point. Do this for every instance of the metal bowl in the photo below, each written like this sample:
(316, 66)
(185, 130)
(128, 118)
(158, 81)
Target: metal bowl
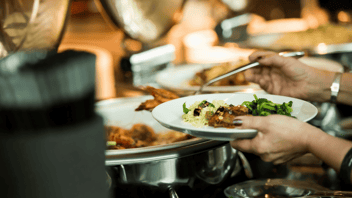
(273, 188)
(142, 20)
(32, 24)
(280, 188)
(166, 167)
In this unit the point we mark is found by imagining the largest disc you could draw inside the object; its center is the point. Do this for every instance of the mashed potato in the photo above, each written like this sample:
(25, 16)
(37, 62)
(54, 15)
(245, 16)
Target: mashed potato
(200, 121)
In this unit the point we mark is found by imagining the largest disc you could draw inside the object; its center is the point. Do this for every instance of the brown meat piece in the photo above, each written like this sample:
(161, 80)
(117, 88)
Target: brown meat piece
(125, 141)
(142, 132)
(140, 143)
(148, 105)
(120, 136)
(207, 74)
(171, 137)
(160, 96)
(225, 116)
(141, 135)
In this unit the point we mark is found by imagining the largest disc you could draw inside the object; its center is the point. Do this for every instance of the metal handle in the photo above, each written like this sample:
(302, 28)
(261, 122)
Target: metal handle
(172, 193)
(247, 167)
(108, 180)
(237, 167)
(245, 67)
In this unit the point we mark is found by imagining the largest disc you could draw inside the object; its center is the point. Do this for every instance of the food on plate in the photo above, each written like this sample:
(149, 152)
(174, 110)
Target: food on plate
(207, 74)
(216, 114)
(220, 114)
(327, 34)
(224, 116)
(264, 107)
(140, 135)
(160, 96)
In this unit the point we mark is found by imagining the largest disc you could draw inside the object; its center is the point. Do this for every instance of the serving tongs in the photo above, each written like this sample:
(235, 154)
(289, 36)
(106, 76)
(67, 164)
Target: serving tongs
(297, 54)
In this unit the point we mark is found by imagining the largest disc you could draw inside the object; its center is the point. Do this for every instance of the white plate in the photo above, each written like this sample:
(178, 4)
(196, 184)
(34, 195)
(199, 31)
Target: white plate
(169, 114)
(177, 78)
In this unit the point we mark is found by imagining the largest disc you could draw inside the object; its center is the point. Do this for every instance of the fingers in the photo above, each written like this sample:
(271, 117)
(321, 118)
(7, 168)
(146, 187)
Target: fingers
(253, 122)
(259, 54)
(283, 158)
(257, 73)
(274, 60)
(242, 145)
(278, 158)
(250, 74)
(268, 58)
(250, 145)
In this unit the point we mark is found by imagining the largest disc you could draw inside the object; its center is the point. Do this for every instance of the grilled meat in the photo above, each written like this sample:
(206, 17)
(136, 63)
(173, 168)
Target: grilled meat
(224, 116)
(160, 96)
(141, 135)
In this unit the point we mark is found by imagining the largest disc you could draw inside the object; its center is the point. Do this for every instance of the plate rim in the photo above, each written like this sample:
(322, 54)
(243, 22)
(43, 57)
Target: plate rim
(191, 130)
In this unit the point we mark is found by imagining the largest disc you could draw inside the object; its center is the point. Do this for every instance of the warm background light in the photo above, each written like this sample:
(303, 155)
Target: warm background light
(344, 17)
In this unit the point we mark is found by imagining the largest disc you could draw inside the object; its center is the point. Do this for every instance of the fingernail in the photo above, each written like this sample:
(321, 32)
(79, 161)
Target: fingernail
(259, 57)
(237, 122)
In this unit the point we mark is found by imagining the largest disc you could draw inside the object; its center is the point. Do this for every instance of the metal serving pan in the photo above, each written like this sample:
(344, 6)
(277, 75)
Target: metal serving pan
(166, 167)
(121, 112)
(267, 42)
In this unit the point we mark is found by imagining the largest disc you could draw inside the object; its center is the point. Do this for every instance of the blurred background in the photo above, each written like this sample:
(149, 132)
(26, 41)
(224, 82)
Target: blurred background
(178, 45)
(86, 27)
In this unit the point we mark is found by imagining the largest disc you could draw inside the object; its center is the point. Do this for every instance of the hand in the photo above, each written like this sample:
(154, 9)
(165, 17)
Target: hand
(280, 138)
(289, 77)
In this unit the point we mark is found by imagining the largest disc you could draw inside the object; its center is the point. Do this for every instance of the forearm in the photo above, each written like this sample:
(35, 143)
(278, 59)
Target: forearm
(330, 149)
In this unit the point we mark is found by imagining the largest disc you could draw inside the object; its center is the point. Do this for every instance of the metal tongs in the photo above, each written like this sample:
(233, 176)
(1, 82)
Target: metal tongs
(298, 54)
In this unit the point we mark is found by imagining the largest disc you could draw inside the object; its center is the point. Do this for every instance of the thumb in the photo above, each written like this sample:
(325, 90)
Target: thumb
(259, 55)
(242, 145)
(274, 60)
(246, 145)
(252, 122)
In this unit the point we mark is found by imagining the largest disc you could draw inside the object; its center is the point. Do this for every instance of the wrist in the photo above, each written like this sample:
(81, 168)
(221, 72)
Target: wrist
(325, 87)
(314, 137)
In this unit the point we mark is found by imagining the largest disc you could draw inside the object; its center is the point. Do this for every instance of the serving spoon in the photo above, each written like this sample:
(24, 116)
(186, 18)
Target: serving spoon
(297, 54)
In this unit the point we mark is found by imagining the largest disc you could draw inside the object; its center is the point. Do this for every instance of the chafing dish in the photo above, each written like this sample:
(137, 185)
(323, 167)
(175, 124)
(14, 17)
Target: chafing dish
(165, 167)
(281, 188)
(141, 19)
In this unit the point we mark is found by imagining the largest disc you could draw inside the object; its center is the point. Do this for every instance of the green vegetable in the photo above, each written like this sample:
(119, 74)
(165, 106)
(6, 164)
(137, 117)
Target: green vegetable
(264, 107)
(111, 143)
(203, 102)
(185, 109)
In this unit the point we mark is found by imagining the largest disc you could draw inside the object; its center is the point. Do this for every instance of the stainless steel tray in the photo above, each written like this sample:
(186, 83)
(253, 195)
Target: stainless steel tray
(267, 42)
(121, 112)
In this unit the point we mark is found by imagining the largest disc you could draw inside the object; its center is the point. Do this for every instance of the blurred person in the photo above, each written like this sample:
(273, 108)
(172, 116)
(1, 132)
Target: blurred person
(281, 138)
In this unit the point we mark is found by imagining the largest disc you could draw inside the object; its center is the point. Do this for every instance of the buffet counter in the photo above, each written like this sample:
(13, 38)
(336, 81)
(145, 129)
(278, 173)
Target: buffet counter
(93, 31)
